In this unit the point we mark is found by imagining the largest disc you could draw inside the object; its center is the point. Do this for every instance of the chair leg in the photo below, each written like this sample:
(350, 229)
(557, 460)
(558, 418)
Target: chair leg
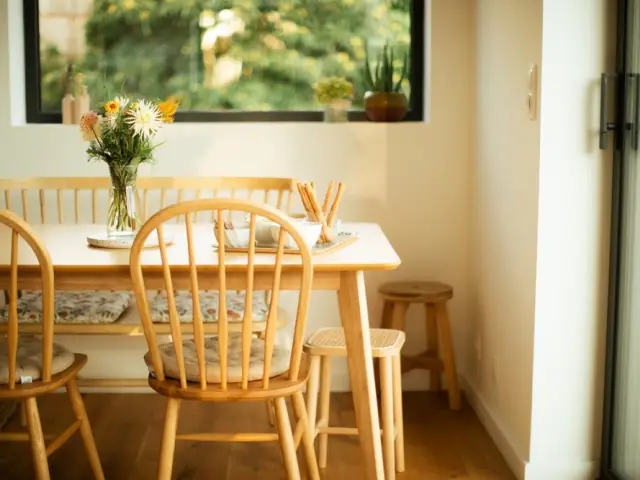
(313, 387)
(307, 436)
(85, 429)
(36, 438)
(168, 439)
(325, 397)
(432, 344)
(397, 412)
(271, 413)
(23, 416)
(285, 436)
(448, 358)
(388, 430)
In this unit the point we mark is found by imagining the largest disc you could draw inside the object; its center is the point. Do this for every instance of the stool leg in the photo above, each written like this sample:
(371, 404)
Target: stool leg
(397, 412)
(398, 323)
(386, 322)
(446, 346)
(387, 314)
(325, 396)
(388, 430)
(399, 315)
(432, 344)
(313, 385)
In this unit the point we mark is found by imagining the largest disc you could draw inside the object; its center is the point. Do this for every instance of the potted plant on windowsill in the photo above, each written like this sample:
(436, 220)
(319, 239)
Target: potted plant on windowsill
(385, 101)
(335, 94)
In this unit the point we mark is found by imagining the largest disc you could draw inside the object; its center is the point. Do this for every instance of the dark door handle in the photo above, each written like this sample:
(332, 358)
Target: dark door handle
(605, 125)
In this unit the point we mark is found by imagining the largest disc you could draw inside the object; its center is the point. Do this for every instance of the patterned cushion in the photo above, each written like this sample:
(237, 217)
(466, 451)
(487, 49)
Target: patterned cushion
(29, 360)
(208, 306)
(279, 361)
(79, 307)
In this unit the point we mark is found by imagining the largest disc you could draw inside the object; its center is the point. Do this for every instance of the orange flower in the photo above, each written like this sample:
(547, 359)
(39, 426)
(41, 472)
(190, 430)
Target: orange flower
(168, 109)
(90, 126)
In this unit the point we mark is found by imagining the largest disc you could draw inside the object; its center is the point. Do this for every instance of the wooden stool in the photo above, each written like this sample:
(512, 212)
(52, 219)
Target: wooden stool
(385, 345)
(398, 296)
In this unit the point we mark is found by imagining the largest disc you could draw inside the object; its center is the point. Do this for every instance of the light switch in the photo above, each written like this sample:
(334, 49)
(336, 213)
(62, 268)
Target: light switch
(532, 92)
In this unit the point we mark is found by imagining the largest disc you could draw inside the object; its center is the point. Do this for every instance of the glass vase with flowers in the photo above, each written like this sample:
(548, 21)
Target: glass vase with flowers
(121, 133)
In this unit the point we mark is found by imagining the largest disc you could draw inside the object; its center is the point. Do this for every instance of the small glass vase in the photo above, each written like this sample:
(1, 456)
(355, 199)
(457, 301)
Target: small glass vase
(337, 111)
(124, 216)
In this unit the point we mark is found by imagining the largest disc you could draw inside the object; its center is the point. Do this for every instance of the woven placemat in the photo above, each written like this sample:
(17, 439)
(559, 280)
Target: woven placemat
(7, 407)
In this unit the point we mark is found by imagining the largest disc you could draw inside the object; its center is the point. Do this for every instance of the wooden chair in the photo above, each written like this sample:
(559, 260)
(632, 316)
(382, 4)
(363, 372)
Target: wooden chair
(30, 367)
(83, 200)
(386, 344)
(228, 367)
(398, 296)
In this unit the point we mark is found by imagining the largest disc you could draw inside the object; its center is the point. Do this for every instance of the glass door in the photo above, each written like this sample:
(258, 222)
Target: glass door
(621, 441)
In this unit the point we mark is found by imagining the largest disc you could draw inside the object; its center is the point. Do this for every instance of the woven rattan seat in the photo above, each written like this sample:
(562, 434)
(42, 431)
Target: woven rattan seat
(331, 342)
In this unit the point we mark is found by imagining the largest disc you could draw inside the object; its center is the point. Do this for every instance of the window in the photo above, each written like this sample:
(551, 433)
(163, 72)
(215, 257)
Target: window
(225, 60)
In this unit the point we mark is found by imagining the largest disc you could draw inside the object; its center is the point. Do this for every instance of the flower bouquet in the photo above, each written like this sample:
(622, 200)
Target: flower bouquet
(335, 93)
(120, 133)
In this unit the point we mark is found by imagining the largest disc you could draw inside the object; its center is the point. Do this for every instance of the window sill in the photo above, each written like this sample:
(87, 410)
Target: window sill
(240, 117)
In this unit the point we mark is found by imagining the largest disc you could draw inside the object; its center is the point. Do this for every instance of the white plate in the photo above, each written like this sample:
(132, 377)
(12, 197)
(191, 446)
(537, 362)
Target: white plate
(102, 240)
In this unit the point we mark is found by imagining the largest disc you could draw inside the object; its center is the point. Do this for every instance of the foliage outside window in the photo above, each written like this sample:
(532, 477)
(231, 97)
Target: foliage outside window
(213, 55)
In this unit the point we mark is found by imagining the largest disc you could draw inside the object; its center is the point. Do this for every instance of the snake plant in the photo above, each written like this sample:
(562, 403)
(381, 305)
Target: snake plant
(379, 78)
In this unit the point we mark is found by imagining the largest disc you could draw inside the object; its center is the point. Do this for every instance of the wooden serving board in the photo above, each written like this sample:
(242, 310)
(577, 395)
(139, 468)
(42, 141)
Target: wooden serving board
(343, 240)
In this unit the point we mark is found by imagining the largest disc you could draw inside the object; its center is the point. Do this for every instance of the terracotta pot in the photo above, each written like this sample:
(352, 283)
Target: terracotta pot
(385, 107)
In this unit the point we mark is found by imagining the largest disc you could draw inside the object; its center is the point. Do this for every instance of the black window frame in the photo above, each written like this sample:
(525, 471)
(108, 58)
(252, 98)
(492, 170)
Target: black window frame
(35, 115)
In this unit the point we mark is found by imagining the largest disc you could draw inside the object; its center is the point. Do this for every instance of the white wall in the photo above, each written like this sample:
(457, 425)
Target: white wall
(412, 179)
(573, 242)
(505, 185)
(540, 235)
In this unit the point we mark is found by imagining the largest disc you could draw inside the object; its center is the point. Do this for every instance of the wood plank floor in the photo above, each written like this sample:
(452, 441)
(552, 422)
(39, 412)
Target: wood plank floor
(439, 444)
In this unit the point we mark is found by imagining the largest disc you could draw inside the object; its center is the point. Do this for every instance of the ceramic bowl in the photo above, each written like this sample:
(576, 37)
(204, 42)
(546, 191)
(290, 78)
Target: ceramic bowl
(310, 232)
(237, 237)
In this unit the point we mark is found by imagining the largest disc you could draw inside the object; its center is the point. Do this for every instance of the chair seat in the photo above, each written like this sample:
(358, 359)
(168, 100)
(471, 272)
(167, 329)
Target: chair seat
(331, 342)
(279, 361)
(209, 301)
(29, 360)
(73, 307)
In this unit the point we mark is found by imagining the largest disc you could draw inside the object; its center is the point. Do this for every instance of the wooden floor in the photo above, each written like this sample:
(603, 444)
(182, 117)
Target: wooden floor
(439, 444)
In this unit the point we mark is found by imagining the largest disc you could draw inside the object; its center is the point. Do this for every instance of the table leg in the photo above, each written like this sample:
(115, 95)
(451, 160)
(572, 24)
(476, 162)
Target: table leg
(355, 321)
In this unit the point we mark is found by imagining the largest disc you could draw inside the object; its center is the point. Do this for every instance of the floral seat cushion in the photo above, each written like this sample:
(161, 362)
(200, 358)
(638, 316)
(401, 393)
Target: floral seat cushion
(29, 360)
(279, 361)
(208, 306)
(75, 307)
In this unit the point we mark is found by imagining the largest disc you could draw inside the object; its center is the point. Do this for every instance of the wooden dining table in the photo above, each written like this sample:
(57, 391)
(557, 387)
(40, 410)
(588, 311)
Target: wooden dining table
(80, 267)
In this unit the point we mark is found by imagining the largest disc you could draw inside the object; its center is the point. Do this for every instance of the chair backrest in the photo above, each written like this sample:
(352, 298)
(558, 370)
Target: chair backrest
(37, 197)
(20, 229)
(219, 207)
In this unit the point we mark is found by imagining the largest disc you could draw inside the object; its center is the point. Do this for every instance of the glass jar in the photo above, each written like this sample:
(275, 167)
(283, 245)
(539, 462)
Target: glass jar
(337, 111)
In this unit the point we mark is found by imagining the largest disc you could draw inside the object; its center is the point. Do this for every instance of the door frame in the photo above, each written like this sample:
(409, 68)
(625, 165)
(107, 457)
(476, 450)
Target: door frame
(621, 139)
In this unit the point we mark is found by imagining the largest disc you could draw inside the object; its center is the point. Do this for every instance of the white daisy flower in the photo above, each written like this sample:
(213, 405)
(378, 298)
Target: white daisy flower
(145, 120)
(123, 101)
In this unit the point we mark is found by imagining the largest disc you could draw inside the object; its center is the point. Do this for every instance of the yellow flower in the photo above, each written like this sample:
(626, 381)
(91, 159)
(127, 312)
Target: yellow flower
(168, 109)
(111, 107)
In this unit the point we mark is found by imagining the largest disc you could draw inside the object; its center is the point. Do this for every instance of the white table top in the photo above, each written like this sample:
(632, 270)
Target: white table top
(68, 248)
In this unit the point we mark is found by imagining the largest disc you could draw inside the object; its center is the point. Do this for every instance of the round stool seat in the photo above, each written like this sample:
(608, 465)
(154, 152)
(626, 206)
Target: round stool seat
(416, 291)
